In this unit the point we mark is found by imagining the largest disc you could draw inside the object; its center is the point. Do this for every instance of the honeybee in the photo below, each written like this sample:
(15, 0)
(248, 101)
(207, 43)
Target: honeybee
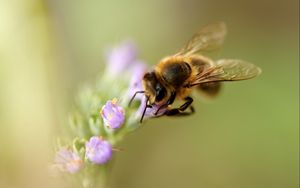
(174, 77)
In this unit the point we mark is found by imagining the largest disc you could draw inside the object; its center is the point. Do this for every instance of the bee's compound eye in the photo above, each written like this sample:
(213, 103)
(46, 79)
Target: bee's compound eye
(160, 94)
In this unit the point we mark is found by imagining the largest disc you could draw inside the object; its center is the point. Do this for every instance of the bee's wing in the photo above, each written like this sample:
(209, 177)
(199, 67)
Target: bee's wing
(209, 38)
(226, 70)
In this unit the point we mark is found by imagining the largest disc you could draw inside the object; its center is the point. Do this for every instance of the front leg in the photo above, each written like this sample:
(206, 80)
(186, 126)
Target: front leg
(182, 108)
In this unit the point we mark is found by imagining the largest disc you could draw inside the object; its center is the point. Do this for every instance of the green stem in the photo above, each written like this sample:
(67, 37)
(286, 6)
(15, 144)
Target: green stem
(95, 176)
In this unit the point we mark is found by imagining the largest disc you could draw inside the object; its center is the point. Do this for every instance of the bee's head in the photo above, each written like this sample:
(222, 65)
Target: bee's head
(153, 88)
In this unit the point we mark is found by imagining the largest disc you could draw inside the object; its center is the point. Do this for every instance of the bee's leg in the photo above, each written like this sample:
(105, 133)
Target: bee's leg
(169, 101)
(192, 109)
(182, 108)
(189, 101)
(147, 106)
(132, 98)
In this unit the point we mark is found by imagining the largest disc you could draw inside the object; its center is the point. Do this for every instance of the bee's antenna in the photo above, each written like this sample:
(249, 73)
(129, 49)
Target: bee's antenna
(134, 96)
(146, 106)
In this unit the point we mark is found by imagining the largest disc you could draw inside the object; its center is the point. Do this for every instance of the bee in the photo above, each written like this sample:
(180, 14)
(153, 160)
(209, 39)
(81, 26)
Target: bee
(175, 76)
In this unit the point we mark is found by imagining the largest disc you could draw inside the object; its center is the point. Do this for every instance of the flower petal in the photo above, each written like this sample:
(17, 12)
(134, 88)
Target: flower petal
(98, 150)
(112, 114)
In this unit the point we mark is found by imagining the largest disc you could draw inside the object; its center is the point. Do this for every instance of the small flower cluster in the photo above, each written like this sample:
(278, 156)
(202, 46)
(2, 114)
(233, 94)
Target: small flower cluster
(112, 114)
(99, 120)
(98, 151)
(68, 161)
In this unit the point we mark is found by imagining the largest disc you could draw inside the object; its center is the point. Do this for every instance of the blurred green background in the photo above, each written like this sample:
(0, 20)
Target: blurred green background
(247, 137)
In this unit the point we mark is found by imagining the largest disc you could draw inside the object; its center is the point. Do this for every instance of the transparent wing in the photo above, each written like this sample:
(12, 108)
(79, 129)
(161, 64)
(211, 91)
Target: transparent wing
(227, 70)
(209, 38)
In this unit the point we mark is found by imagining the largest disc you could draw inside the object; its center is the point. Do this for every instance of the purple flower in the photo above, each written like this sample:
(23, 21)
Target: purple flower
(112, 114)
(150, 112)
(68, 161)
(98, 151)
(135, 85)
(119, 58)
